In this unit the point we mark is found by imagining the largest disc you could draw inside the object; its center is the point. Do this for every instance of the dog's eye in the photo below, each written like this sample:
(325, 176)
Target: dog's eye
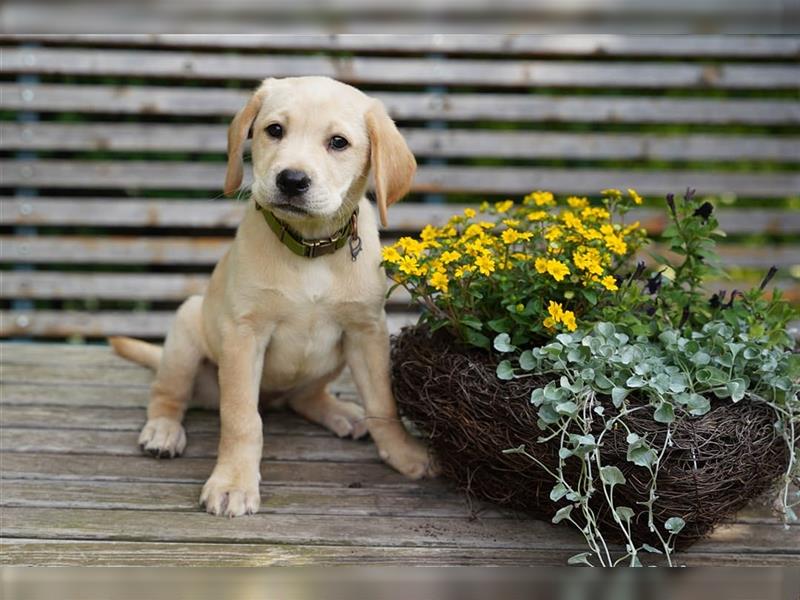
(275, 131)
(337, 142)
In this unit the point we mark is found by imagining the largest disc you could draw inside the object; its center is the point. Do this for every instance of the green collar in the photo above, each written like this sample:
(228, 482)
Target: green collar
(315, 247)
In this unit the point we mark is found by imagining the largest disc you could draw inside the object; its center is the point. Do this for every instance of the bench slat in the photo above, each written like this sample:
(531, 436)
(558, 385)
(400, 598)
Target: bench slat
(405, 216)
(398, 71)
(53, 323)
(447, 143)
(216, 102)
(600, 45)
(177, 175)
(178, 286)
(208, 250)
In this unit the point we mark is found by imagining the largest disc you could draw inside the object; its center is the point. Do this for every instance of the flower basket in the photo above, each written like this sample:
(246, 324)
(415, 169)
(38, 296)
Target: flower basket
(557, 373)
(718, 463)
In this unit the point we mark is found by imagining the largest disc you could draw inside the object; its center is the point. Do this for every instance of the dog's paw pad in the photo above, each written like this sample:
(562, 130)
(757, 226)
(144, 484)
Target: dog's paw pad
(229, 498)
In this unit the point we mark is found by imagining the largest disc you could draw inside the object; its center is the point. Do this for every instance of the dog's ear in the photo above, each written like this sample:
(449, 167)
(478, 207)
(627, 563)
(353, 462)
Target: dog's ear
(237, 134)
(393, 165)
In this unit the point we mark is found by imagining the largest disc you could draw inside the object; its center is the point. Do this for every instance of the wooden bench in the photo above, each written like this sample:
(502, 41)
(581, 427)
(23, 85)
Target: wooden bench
(76, 490)
(113, 149)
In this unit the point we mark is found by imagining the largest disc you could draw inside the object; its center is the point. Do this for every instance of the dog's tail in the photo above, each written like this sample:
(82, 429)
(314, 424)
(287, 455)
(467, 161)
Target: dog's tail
(143, 353)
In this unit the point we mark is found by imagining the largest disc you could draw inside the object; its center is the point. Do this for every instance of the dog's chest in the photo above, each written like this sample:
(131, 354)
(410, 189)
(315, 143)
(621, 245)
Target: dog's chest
(306, 341)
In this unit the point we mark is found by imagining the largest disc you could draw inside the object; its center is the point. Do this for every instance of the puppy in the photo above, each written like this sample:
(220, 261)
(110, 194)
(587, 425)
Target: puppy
(280, 321)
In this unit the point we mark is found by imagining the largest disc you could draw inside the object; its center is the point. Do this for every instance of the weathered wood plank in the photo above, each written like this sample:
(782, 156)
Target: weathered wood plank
(202, 444)
(69, 413)
(155, 324)
(178, 286)
(406, 216)
(296, 500)
(442, 143)
(397, 71)
(207, 250)
(125, 525)
(601, 45)
(159, 100)
(177, 175)
(44, 353)
(31, 552)
(139, 468)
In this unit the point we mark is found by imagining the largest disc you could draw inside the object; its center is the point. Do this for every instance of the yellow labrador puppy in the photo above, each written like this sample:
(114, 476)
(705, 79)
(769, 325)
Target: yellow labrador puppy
(298, 295)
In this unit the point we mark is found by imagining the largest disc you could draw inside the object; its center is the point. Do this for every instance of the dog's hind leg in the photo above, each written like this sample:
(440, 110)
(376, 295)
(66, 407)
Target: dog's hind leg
(316, 404)
(163, 434)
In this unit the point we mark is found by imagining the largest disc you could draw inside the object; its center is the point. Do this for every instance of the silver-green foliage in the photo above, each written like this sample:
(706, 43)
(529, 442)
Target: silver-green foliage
(675, 376)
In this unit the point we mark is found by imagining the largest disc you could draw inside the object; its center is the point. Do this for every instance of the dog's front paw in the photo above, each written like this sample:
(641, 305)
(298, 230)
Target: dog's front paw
(410, 456)
(230, 494)
(163, 438)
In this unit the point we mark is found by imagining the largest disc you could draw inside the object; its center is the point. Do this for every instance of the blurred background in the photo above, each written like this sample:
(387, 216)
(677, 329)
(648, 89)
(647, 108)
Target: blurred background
(113, 146)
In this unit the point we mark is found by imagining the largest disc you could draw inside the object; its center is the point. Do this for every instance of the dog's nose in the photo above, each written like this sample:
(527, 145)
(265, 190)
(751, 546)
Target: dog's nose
(292, 182)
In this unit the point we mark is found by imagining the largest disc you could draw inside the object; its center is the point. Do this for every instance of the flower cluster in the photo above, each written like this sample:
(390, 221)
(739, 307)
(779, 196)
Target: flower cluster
(533, 267)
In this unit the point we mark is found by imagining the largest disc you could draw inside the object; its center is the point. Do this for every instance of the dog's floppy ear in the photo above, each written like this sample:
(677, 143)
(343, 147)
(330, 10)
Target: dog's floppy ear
(237, 134)
(393, 164)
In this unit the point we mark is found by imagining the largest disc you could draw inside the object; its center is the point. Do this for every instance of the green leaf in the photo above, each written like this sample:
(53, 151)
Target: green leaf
(624, 513)
(639, 453)
(502, 343)
(500, 325)
(476, 339)
(526, 361)
(651, 549)
(618, 395)
(612, 476)
(472, 322)
(674, 525)
(665, 413)
(590, 295)
(605, 329)
(635, 381)
(567, 408)
(558, 492)
(537, 396)
(505, 370)
(562, 514)
(580, 559)
(737, 388)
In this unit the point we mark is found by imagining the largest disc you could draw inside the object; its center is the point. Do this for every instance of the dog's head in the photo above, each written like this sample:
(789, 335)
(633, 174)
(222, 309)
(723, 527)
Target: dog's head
(314, 143)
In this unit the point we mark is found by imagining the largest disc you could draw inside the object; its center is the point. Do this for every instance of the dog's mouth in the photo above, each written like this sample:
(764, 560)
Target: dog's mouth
(289, 208)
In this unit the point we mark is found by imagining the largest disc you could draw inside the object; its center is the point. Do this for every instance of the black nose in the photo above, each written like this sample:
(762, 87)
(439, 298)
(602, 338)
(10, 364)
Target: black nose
(292, 182)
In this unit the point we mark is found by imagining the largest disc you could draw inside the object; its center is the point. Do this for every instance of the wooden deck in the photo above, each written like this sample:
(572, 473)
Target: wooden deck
(76, 490)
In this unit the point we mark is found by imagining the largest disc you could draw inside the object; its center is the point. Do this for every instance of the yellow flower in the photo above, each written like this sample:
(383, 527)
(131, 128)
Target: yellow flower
(473, 230)
(511, 222)
(568, 319)
(591, 234)
(485, 264)
(595, 213)
(411, 246)
(557, 270)
(504, 206)
(469, 213)
(610, 283)
(409, 266)
(519, 308)
(556, 310)
(576, 202)
(612, 193)
(484, 206)
(541, 198)
(616, 244)
(630, 228)
(588, 259)
(439, 281)
(390, 254)
(607, 229)
(520, 256)
(510, 236)
(537, 215)
(637, 199)
(571, 221)
(429, 233)
(461, 271)
(553, 233)
(549, 322)
(486, 224)
(449, 256)
(540, 264)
